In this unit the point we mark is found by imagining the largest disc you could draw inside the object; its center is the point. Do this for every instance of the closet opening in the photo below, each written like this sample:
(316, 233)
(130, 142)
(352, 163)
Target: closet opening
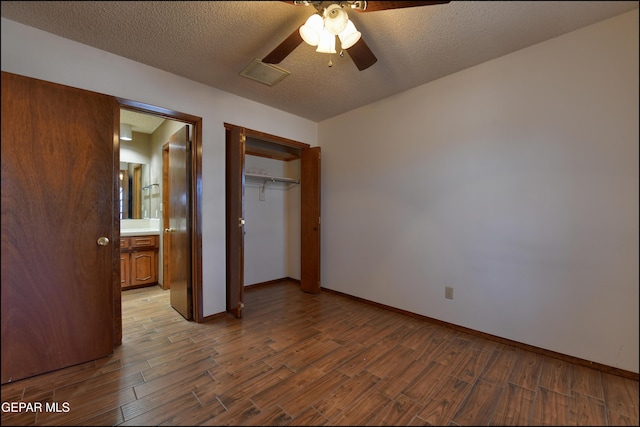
(273, 213)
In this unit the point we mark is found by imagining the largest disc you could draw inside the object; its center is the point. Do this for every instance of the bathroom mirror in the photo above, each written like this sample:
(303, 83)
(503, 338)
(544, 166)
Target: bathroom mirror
(134, 191)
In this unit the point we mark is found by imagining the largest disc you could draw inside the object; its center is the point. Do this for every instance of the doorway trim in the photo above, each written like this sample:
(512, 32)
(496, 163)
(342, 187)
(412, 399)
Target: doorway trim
(194, 158)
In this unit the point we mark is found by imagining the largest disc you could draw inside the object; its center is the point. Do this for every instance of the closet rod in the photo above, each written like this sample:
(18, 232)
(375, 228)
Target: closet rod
(272, 178)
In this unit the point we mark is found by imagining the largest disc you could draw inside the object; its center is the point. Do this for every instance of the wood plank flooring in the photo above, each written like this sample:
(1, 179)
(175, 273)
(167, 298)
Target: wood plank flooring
(302, 359)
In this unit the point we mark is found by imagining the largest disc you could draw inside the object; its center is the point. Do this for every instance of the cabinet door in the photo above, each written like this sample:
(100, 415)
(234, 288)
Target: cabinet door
(144, 266)
(125, 265)
(125, 272)
(124, 243)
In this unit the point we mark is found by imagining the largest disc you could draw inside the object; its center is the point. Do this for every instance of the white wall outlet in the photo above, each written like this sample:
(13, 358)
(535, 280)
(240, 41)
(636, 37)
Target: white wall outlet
(448, 292)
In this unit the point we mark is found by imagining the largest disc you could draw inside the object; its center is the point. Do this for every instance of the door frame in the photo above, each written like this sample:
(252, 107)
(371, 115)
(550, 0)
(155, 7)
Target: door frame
(194, 158)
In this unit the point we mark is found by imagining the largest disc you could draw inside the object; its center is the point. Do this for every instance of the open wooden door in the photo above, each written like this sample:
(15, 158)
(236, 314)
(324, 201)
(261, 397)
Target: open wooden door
(178, 226)
(166, 219)
(235, 148)
(310, 220)
(60, 226)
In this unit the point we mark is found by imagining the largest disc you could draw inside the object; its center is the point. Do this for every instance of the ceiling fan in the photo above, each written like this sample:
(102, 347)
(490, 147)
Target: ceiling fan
(330, 23)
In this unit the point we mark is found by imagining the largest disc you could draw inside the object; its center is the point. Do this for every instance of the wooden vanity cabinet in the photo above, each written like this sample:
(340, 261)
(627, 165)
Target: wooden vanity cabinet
(138, 261)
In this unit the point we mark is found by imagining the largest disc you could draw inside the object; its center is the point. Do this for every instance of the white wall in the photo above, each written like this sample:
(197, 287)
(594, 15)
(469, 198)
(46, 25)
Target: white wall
(515, 182)
(269, 251)
(41, 55)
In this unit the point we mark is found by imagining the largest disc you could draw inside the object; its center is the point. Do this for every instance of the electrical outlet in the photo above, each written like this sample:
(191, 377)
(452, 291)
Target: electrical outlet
(448, 292)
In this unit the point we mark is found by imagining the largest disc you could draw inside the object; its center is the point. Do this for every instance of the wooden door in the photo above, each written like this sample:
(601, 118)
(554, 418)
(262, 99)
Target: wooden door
(235, 148)
(166, 219)
(59, 192)
(310, 220)
(179, 201)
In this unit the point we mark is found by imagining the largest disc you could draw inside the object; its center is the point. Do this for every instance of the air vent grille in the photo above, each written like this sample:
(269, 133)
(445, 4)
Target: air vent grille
(264, 73)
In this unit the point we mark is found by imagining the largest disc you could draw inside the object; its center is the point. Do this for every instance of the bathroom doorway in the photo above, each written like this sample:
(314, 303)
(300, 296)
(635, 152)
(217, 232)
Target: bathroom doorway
(186, 246)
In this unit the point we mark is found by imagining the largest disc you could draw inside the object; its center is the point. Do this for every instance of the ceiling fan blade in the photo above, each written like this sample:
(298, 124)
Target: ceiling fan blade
(362, 55)
(373, 6)
(283, 49)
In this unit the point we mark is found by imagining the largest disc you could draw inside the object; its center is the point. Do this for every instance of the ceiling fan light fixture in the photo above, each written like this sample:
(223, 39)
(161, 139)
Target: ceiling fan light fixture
(335, 19)
(349, 36)
(327, 43)
(311, 30)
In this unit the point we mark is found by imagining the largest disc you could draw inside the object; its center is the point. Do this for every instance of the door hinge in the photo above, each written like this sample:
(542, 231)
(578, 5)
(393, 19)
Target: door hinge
(240, 222)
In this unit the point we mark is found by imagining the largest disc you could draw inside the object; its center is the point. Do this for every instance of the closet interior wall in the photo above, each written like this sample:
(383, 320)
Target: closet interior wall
(272, 219)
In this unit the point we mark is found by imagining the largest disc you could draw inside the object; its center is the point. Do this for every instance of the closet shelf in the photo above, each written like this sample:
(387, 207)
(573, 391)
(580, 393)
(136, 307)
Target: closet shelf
(272, 178)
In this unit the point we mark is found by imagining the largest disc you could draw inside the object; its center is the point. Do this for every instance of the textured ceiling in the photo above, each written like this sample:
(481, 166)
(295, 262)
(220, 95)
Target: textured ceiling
(142, 123)
(211, 42)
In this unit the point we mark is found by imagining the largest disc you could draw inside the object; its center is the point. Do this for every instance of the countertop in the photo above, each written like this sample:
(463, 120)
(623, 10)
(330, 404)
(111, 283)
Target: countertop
(128, 232)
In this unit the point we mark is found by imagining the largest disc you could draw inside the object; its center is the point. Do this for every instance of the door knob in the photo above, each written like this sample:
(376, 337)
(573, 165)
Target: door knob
(103, 241)
(169, 230)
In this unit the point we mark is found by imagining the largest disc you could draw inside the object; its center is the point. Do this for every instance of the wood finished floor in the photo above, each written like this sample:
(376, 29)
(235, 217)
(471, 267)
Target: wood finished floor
(302, 359)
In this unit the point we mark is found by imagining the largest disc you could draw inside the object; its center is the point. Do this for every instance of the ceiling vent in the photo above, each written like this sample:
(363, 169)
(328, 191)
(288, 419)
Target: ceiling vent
(264, 73)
